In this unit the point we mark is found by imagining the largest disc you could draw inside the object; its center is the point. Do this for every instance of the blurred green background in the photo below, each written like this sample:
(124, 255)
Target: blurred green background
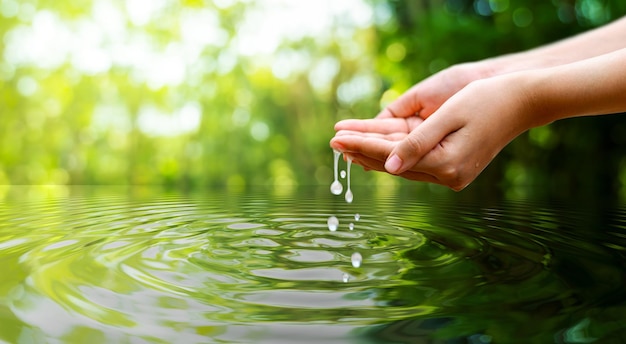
(194, 94)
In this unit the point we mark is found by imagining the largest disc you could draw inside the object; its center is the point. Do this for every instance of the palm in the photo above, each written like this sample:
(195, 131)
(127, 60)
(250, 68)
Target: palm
(368, 142)
(380, 126)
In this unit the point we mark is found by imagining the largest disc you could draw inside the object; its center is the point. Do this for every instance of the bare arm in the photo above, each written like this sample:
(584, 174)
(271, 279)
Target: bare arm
(592, 86)
(599, 41)
(427, 96)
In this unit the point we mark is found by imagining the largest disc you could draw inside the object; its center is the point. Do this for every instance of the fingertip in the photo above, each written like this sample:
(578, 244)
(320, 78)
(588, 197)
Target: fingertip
(336, 145)
(344, 132)
(406, 105)
(345, 124)
(394, 164)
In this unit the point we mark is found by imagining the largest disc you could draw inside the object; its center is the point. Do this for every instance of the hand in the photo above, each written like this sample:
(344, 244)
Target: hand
(451, 146)
(426, 97)
(403, 115)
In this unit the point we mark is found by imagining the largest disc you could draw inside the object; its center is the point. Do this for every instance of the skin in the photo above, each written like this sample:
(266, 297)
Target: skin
(447, 128)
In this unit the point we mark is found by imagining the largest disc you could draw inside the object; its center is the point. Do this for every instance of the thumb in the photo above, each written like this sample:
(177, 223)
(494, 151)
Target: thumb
(417, 144)
(408, 104)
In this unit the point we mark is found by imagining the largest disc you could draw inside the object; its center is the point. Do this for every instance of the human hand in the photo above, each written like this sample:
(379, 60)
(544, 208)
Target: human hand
(400, 117)
(427, 96)
(452, 145)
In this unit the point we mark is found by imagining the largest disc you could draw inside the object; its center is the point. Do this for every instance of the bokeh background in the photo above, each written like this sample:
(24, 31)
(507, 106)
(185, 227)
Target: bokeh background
(194, 95)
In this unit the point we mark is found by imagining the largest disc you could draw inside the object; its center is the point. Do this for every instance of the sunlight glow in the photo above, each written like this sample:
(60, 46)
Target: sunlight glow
(141, 12)
(43, 44)
(357, 88)
(97, 43)
(9, 8)
(322, 74)
(154, 122)
(112, 37)
(274, 21)
(260, 131)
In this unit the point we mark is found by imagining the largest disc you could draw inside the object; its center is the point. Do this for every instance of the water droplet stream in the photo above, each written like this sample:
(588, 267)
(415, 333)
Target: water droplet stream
(336, 188)
(349, 195)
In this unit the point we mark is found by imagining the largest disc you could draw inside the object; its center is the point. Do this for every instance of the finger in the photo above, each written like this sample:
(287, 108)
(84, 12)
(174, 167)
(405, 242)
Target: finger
(382, 126)
(418, 143)
(372, 147)
(420, 177)
(426, 170)
(368, 162)
(452, 162)
(388, 137)
(408, 104)
(429, 168)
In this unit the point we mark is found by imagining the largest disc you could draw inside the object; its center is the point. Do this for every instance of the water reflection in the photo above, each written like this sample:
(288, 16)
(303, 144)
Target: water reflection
(257, 268)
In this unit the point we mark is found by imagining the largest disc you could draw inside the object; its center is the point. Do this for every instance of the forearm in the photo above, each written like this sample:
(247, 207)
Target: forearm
(592, 86)
(586, 45)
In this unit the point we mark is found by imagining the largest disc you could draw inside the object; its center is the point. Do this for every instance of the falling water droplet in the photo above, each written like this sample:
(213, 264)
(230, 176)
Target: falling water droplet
(346, 278)
(342, 174)
(356, 259)
(349, 195)
(333, 223)
(357, 217)
(336, 188)
(351, 226)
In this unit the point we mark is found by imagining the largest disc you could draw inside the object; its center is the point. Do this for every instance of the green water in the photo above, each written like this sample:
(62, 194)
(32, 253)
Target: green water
(263, 268)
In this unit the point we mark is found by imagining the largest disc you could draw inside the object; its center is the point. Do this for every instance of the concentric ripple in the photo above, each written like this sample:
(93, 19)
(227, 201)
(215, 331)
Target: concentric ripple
(253, 268)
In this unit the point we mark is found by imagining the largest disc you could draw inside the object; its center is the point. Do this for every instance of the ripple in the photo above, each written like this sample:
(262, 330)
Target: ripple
(184, 262)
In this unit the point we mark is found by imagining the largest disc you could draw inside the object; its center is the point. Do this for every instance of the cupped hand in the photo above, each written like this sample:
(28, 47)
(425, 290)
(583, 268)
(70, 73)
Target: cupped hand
(427, 96)
(450, 147)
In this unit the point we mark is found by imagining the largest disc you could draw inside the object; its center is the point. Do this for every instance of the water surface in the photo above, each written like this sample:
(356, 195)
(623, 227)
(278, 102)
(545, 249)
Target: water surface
(257, 267)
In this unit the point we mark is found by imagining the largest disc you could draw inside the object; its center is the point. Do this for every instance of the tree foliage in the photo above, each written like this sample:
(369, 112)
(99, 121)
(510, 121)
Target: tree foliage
(197, 94)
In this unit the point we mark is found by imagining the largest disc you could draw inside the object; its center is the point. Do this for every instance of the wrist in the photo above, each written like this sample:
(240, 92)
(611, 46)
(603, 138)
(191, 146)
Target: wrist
(517, 62)
(521, 105)
(533, 105)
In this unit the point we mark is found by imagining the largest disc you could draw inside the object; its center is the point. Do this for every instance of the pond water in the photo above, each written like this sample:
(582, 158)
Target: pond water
(265, 268)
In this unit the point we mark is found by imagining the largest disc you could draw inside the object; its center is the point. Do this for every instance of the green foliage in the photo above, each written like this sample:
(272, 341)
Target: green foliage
(172, 94)
(197, 94)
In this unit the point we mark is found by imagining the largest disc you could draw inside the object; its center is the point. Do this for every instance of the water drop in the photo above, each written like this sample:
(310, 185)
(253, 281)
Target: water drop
(333, 223)
(346, 278)
(356, 259)
(349, 195)
(336, 188)
(351, 226)
(342, 174)
(357, 217)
